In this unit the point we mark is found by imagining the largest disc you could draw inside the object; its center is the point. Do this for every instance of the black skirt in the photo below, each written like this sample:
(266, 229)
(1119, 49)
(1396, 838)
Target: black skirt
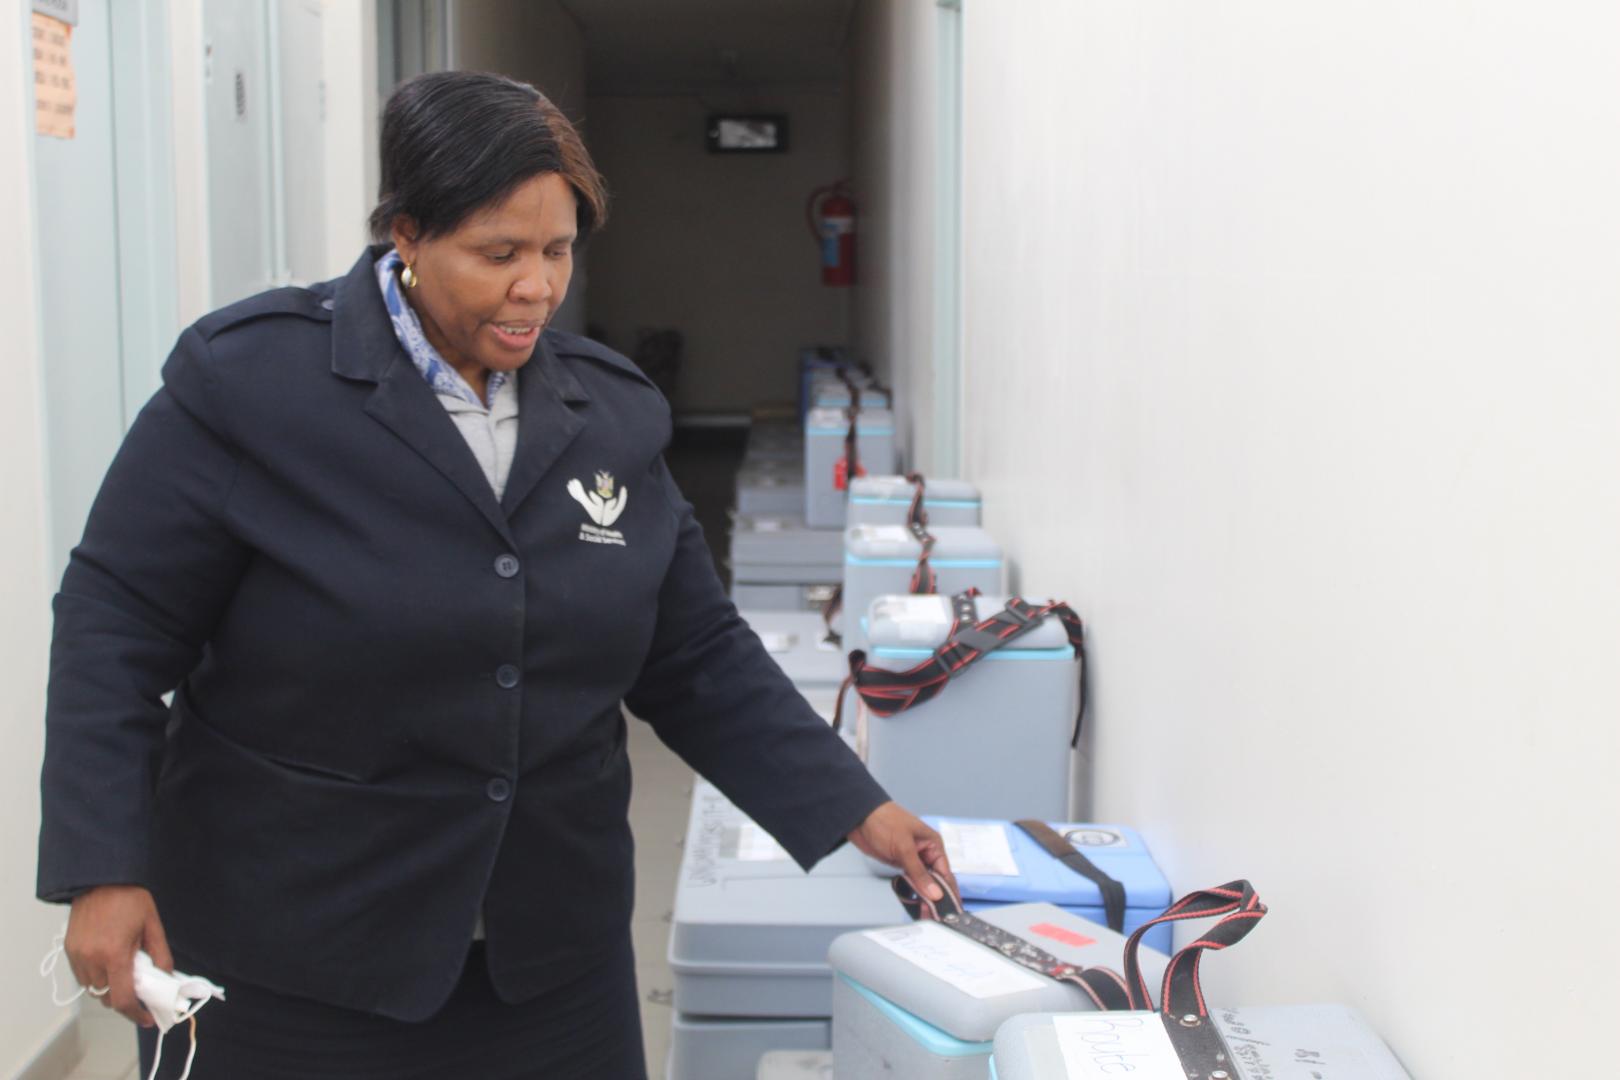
(589, 1029)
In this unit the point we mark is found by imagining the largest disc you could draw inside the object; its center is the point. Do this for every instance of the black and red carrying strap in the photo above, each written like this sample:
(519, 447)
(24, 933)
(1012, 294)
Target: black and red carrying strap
(1182, 1009)
(970, 640)
(1239, 910)
(1181, 996)
(924, 582)
(1104, 987)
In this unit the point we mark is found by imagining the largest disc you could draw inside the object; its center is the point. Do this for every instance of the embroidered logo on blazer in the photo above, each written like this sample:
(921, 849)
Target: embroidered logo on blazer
(604, 508)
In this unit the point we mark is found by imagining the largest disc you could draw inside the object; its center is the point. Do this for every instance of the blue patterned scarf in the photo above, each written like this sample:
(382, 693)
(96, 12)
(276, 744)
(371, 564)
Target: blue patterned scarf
(443, 378)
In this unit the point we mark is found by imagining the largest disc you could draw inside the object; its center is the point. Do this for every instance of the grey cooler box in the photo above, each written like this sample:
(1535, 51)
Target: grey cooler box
(750, 929)
(923, 1002)
(779, 564)
(766, 488)
(879, 560)
(886, 500)
(797, 640)
(795, 1065)
(729, 1048)
(824, 433)
(995, 742)
(1273, 1042)
(774, 440)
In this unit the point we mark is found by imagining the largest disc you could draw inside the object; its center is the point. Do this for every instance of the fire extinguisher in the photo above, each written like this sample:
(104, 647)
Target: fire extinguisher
(830, 213)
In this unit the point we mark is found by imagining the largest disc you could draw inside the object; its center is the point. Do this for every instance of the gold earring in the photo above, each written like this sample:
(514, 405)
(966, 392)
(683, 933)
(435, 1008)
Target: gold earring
(408, 276)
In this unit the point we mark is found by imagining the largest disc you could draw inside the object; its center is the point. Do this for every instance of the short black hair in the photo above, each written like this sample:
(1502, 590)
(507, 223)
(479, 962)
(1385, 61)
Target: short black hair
(454, 142)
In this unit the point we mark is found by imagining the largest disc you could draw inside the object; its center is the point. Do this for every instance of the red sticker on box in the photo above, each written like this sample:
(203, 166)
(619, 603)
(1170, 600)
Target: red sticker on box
(1059, 933)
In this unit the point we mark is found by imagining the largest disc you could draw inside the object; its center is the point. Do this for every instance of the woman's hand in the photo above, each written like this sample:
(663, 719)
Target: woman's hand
(106, 927)
(894, 835)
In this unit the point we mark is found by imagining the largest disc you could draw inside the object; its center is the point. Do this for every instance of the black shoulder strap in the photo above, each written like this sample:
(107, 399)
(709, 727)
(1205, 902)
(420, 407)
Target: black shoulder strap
(924, 582)
(1104, 987)
(1113, 893)
(1181, 996)
(889, 692)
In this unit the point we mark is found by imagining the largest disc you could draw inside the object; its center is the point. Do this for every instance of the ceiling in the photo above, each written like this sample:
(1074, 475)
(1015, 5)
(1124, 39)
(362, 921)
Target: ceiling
(636, 47)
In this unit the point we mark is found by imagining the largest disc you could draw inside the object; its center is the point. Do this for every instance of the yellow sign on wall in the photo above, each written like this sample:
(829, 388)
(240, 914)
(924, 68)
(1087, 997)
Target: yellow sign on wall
(55, 91)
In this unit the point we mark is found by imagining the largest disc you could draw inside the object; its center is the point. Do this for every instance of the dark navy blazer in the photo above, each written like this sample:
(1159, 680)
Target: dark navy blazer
(397, 700)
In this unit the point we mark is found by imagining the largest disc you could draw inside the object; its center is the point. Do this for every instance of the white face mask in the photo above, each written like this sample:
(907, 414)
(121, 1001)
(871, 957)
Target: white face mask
(170, 998)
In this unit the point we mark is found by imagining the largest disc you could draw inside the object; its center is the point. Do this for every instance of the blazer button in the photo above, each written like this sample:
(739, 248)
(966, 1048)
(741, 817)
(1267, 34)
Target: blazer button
(498, 789)
(507, 566)
(506, 676)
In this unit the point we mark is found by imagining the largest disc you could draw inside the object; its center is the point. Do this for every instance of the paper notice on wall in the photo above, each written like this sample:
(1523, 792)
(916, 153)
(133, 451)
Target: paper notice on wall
(754, 844)
(954, 959)
(1104, 1046)
(56, 93)
(978, 848)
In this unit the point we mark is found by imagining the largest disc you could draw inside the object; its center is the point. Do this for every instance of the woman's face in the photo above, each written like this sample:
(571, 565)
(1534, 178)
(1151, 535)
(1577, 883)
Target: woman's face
(486, 290)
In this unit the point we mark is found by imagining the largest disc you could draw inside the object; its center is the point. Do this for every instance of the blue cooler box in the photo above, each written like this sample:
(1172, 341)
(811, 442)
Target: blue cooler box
(995, 742)
(885, 500)
(824, 432)
(816, 363)
(998, 863)
(880, 560)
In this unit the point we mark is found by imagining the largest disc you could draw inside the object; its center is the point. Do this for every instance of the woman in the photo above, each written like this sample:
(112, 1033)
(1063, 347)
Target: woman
(400, 552)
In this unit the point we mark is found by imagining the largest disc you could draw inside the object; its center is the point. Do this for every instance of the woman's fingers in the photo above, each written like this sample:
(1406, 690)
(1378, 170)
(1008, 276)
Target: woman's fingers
(916, 873)
(156, 942)
(933, 849)
(105, 928)
(123, 996)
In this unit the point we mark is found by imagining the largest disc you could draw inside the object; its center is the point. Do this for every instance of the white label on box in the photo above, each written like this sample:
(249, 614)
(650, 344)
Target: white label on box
(948, 956)
(754, 844)
(768, 525)
(882, 534)
(778, 643)
(978, 848)
(1105, 1046)
(924, 620)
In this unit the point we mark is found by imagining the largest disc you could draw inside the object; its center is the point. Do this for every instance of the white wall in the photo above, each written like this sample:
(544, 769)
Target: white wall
(28, 1019)
(349, 55)
(894, 44)
(539, 42)
(1293, 362)
(716, 245)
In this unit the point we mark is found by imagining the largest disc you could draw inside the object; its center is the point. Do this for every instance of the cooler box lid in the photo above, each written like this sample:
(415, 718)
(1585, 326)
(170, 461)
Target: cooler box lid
(825, 422)
(909, 628)
(996, 860)
(742, 902)
(797, 640)
(785, 540)
(898, 491)
(965, 546)
(967, 990)
(1277, 1042)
